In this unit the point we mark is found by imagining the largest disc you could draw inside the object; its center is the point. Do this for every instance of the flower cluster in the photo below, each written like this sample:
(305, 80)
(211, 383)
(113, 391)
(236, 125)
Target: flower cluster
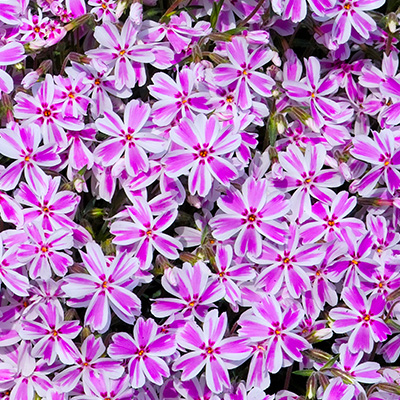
(193, 198)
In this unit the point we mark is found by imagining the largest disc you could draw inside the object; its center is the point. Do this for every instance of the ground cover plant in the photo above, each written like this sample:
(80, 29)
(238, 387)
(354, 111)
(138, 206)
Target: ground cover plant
(199, 200)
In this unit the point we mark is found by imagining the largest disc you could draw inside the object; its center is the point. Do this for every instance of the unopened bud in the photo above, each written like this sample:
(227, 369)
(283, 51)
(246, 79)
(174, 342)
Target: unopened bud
(6, 105)
(98, 212)
(281, 123)
(311, 387)
(189, 257)
(77, 22)
(71, 314)
(394, 295)
(85, 333)
(77, 269)
(389, 387)
(317, 355)
(392, 22)
(347, 378)
(79, 58)
(323, 380)
(319, 335)
(161, 264)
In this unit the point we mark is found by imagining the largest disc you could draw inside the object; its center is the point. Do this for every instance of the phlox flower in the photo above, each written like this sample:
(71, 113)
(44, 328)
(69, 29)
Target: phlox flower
(194, 290)
(386, 239)
(350, 14)
(202, 153)
(231, 274)
(10, 210)
(338, 390)
(176, 99)
(207, 348)
(43, 252)
(266, 322)
(105, 286)
(121, 51)
(101, 386)
(11, 53)
(363, 319)
(23, 145)
(101, 84)
(178, 31)
(79, 154)
(251, 214)
(323, 290)
(73, 95)
(46, 206)
(128, 137)
(105, 10)
(33, 26)
(296, 10)
(381, 152)
(88, 363)
(349, 363)
(195, 389)
(45, 110)
(305, 174)
(146, 232)
(314, 91)
(330, 222)
(243, 71)
(242, 394)
(287, 264)
(356, 262)
(12, 279)
(52, 334)
(145, 351)
(23, 376)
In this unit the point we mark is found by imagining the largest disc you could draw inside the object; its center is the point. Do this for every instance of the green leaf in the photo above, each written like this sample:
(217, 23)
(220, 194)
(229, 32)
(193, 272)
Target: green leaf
(304, 372)
(272, 131)
(215, 13)
(331, 362)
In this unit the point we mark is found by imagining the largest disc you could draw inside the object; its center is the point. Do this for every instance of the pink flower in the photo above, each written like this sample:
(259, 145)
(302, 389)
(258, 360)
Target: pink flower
(105, 286)
(146, 233)
(243, 71)
(251, 214)
(202, 153)
(350, 14)
(121, 51)
(271, 326)
(128, 137)
(362, 319)
(314, 91)
(54, 335)
(207, 348)
(22, 144)
(194, 290)
(145, 352)
(45, 110)
(176, 99)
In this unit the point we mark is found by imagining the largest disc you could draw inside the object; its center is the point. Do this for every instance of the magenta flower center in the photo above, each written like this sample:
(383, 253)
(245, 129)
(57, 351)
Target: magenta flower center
(203, 153)
(251, 218)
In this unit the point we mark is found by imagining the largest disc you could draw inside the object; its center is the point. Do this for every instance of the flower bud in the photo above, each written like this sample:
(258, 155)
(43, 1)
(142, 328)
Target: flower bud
(392, 22)
(161, 265)
(77, 22)
(389, 387)
(188, 257)
(85, 333)
(311, 387)
(317, 355)
(347, 378)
